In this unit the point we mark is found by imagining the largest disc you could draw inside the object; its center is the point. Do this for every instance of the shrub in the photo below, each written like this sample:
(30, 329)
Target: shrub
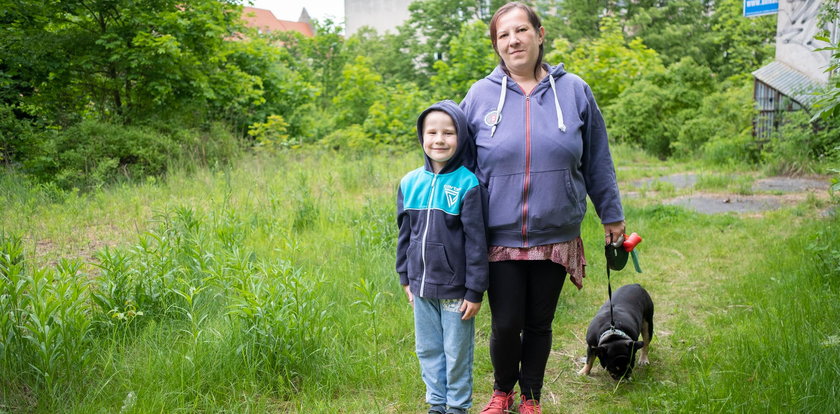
(352, 137)
(652, 112)
(392, 119)
(721, 131)
(271, 135)
(799, 146)
(94, 153)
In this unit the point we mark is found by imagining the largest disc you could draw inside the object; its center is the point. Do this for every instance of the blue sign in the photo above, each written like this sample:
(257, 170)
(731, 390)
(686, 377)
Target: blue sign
(754, 8)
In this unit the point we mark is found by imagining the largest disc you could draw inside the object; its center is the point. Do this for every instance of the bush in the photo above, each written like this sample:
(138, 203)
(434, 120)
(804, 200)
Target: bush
(722, 129)
(15, 134)
(352, 137)
(94, 153)
(800, 146)
(652, 112)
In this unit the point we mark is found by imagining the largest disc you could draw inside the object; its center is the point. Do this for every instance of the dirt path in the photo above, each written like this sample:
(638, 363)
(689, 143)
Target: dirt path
(763, 194)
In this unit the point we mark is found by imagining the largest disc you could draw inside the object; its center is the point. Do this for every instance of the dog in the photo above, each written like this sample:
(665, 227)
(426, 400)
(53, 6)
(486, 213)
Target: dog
(616, 348)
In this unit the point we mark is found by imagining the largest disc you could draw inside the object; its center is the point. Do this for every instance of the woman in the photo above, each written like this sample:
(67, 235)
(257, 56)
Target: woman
(542, 148)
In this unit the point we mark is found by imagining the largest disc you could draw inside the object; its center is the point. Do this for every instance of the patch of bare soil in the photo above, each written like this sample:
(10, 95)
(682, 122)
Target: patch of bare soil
(784, 192)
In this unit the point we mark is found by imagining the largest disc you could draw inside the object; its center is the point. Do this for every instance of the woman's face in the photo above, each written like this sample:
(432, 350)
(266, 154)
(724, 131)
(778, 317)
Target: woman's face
(518, 42)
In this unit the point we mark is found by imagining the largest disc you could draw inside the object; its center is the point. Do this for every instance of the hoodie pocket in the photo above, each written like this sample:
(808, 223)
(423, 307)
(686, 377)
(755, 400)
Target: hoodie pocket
(438, 269)
(505, 202)
(415, 261)
(552, 201)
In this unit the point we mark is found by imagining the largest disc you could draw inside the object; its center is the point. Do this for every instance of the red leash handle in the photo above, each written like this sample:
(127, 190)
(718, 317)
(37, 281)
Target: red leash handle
(631, 241)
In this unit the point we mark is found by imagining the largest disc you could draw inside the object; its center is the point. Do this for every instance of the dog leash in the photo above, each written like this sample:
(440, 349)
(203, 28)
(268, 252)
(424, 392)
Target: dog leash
(616, 254)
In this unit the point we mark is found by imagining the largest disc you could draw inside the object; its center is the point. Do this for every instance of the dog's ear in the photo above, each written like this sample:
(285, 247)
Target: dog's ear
(601, 350)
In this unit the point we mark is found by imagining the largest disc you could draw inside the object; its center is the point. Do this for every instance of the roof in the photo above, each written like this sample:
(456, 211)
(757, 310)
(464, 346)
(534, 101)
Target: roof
(265, 21)
(789, 82)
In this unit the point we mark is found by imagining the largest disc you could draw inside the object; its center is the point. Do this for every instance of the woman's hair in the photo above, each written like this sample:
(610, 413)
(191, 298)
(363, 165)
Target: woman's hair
(532, 18)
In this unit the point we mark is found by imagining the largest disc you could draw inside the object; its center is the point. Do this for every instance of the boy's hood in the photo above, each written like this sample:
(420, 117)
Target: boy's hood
(465, 153)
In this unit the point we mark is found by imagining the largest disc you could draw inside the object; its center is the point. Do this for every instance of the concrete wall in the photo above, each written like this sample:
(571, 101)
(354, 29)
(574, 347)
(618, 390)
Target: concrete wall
(796, 26)
(382, 15)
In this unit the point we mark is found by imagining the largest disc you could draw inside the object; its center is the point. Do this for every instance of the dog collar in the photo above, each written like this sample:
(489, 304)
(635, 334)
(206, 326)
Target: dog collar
(610, 332)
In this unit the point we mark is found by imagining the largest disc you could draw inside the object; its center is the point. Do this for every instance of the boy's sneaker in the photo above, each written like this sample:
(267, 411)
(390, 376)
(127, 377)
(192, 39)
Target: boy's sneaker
(437, 409)
(528, 406)
(453, 410)
(500, 403)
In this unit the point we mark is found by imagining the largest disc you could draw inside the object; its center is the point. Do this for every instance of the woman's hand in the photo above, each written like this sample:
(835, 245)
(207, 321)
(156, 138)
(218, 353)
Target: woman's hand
(410, 295)
(469, 309)
(615, 230)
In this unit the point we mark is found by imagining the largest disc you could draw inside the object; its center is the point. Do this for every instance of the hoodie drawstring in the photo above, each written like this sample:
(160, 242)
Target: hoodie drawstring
(560, 123)
(499, 107)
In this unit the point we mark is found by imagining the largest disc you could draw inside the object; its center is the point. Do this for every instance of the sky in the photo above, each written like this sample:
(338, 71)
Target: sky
(290, 9)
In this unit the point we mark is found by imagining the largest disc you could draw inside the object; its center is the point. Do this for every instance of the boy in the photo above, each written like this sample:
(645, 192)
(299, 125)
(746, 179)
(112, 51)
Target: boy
(442, 255)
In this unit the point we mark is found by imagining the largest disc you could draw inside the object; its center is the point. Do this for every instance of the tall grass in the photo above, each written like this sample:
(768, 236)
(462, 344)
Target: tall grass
(270, 287)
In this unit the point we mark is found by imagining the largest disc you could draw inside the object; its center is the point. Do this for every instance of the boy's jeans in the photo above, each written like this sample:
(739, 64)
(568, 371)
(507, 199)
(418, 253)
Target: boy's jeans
(444, 345)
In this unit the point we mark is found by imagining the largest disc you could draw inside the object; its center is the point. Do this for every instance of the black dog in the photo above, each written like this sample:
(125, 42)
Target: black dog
(616, 348)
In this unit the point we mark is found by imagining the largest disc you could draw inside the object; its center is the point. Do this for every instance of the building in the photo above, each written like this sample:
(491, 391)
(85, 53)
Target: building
(382, 15)
(264, 21)
(787, 83)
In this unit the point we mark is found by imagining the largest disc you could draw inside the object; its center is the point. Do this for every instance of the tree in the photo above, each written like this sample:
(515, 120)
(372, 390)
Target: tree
(469, 59)
(651, 112)
(742, 44)
(432, 25)
(122, 59)
(676, 29)
(358, 89)
(608, 63)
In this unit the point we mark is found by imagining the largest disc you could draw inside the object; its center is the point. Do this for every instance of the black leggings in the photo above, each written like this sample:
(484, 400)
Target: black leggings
(523, 297)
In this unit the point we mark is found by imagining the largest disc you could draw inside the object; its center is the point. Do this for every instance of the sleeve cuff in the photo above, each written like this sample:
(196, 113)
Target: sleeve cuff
(403, 279)
(474, 296)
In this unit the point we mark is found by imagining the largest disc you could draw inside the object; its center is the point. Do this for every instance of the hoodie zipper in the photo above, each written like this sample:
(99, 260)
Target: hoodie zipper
(527, 183)
(426, 233)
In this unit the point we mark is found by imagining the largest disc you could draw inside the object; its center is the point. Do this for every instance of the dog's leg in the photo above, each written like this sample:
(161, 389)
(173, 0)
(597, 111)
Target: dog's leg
(590, 358)
(646, 336)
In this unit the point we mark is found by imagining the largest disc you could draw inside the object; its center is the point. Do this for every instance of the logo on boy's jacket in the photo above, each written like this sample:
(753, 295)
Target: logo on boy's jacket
(451, 194)
(492, 118)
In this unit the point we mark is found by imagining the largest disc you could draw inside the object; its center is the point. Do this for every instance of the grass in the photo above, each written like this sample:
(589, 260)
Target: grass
(269, 287)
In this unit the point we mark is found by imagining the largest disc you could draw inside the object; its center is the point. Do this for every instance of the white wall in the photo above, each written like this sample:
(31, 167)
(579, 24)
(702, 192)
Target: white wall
(796, 26)
(382, 15)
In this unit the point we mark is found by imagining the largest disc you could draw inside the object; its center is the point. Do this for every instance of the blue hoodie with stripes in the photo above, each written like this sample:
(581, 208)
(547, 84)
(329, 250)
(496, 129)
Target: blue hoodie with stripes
(441, 247)
(539, 155)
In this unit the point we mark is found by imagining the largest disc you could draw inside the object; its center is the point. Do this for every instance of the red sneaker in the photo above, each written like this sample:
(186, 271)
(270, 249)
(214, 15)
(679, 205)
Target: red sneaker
(529, 406)
(500, 403)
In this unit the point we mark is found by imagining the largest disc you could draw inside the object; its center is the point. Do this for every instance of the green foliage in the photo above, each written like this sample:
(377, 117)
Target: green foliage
(609, 64)
(320, 59)
(392, 118)
(433, 24)
(388, 54)
(741, 44)
(271, 135)
(45, 336)
(358, 89)
(677, 29)
(721, 128)
(800, 146)
(121, 61)
(353, 137)
(651, 112)
(93, 153)
(15, 134)
(470, 58)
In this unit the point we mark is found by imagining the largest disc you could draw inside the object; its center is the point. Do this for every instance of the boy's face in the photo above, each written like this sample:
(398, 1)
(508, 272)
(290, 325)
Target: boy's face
(440, 139)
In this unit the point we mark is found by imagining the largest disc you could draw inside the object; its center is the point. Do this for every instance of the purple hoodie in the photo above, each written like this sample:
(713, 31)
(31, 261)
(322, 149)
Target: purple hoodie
(539, 156)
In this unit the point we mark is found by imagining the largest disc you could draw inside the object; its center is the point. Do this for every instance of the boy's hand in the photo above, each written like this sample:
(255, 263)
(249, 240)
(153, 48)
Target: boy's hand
(469, 309)
(410, 295)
